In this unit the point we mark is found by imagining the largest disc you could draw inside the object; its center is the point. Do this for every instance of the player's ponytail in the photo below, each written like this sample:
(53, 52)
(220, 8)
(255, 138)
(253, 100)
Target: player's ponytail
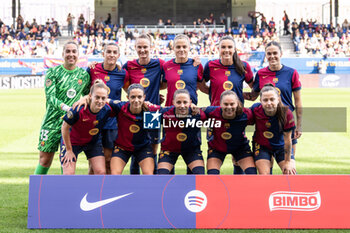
(281, 112)
(240, 68)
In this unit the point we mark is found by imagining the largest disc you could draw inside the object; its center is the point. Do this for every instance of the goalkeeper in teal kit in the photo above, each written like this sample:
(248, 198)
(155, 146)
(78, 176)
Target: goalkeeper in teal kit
(64, 85)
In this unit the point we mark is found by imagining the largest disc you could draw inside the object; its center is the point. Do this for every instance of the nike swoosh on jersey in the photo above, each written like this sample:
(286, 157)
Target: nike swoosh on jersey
(86, 119)
(88, 206)
(170, 68)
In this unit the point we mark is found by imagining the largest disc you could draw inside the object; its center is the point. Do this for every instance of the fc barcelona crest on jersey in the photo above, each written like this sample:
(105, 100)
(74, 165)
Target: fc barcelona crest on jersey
(180, 72)
(145, 82)
(268, 124)
(180, 84)
(275, 80)
(143, 70)
(80, 81)
(228, 85)
(227, 73)
(107, 78)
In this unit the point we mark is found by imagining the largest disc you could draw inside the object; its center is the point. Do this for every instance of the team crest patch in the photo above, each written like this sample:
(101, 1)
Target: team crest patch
(116, 149)
(42, 143)
(143, 70)
(210, 151)
(268, 134)
(227, 73)
(80, 81)
(70, 114)
(94, 131)
(145, 82)
(275, 80)
(134, 128)
(228, 85)
(257, 152)
(48, 82)
(180, 72)
(226, 136)
(227, 125)
(71, 93)
(268, 124)
(107, 78)
(180, 84)
(181, 137)
(95, 122)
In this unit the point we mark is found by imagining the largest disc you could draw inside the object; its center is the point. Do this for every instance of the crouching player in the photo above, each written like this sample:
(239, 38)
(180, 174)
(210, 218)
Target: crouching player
(274, 124)
(132, 138)
(230, 137)
(179, 140)
(81, 131)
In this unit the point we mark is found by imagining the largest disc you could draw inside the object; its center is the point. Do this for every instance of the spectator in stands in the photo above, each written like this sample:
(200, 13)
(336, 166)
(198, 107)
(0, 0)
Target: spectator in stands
(109, 19)
(69, 20)
(160, 22)
(223, 19)
(81, 21)
(272, 24)
(254, 17)
(286, 24)
(311, 24)
(345, 24)
(169, 23)
(211, 19)
(302, 24)
(263, 22)
(128, 34)
(295, 27)
(234, 23)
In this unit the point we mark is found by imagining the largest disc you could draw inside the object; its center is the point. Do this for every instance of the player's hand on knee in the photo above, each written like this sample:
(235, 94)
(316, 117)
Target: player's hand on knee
(298, 133)
(68, 158)
(289, 168)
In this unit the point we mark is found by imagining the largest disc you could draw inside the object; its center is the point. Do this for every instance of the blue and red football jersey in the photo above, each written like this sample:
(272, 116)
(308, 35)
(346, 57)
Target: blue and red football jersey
(286, 80)
(86, 126)
(131, 134)
(267, 130)
(231, 135)
(149, 76)
(224, 78)
(114, 80)
(176, 138)
(182, 76)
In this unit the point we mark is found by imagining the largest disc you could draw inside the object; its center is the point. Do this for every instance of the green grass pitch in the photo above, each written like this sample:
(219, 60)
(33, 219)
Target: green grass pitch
(21, 115)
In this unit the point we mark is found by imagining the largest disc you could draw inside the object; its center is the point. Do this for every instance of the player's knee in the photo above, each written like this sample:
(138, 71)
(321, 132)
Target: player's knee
(163, 171)
(213, 172)
(198, 170)
(250, 171)
(99, 171)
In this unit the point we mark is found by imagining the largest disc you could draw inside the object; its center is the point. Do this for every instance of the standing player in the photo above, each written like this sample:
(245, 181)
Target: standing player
(227, 73)
(274, 124)
(115, 78)
(230, 137)
(81, 131)
(64, 85)
(132, 139)
(147, 72)
(285, 79)
(180, 140)
(181, 73)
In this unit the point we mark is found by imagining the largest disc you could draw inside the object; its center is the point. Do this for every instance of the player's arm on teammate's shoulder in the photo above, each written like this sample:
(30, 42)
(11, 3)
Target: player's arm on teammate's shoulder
(299, 113)
(202, 86)
(288, 166)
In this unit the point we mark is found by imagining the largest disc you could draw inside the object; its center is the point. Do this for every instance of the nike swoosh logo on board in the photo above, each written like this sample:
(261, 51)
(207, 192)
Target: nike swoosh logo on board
(88, 206)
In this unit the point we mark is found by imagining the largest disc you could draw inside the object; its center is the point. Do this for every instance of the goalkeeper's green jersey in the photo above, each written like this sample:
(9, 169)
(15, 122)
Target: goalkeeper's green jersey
(62, 86)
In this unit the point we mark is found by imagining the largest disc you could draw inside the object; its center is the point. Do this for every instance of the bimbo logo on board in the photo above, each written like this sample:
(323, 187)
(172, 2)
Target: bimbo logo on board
(298, 201)
(195, 201)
